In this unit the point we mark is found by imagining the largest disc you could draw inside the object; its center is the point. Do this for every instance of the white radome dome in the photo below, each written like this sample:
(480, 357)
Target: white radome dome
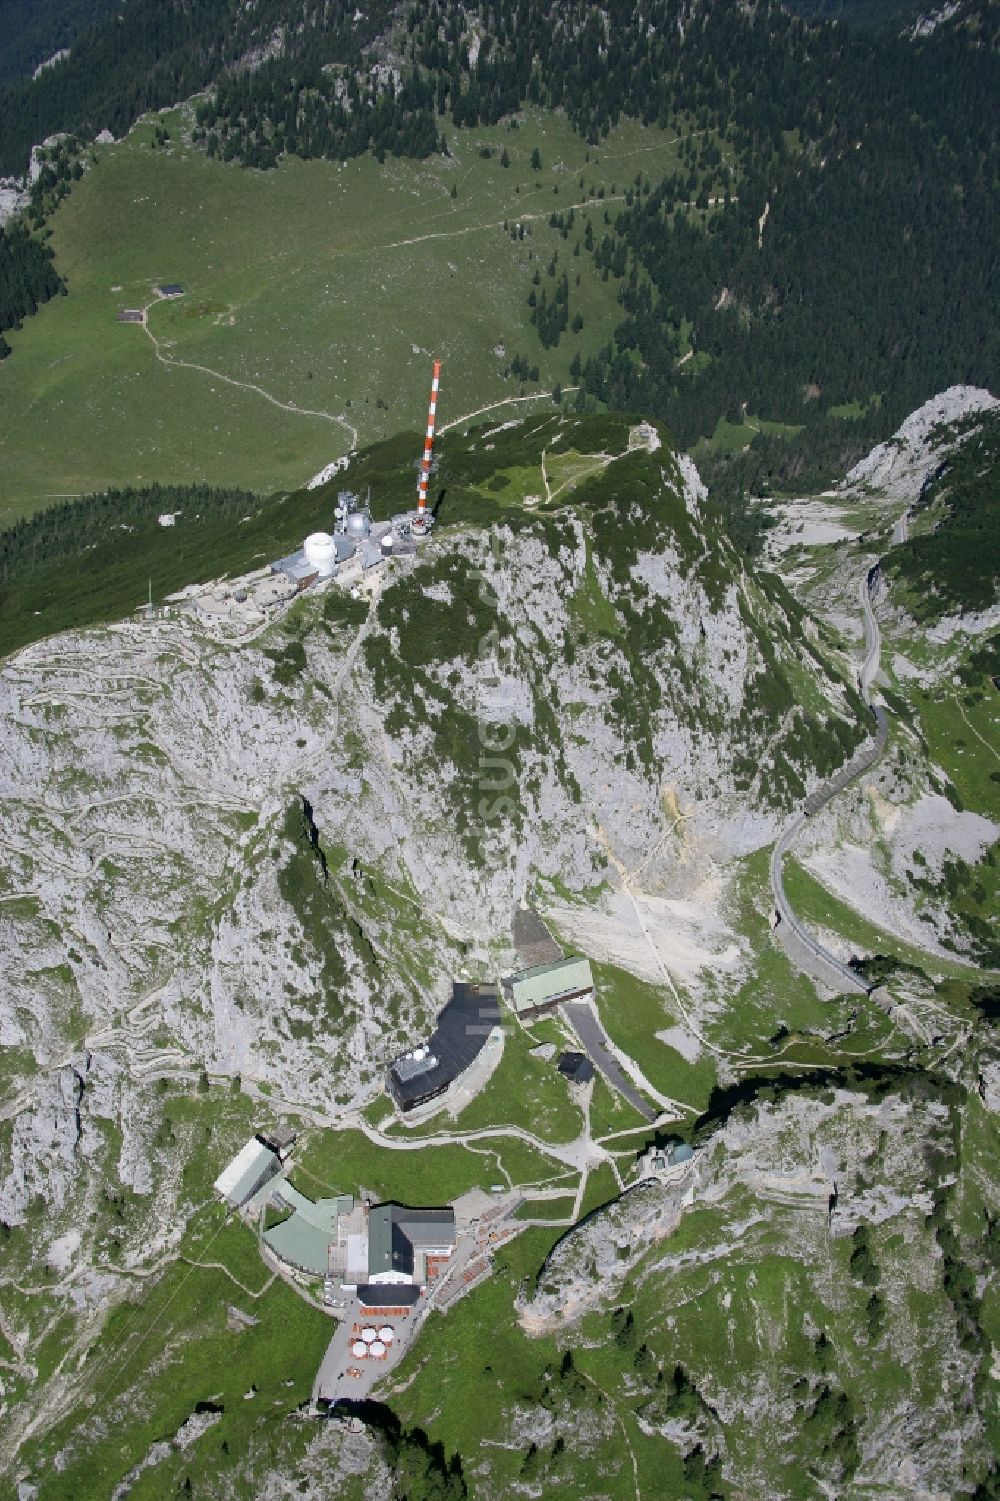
(321, 551)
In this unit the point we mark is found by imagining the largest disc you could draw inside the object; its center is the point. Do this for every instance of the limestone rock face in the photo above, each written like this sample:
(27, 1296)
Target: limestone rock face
(238, 878)
(612, 702)
(899, 467)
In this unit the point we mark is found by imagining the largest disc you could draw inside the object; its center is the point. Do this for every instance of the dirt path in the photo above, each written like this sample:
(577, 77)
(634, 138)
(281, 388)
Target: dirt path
(573, 1154)
(220, 1266)
(338, 418)
(474, 229)
(626, 877)
(494, 406)
(972, 729)
(245, 385)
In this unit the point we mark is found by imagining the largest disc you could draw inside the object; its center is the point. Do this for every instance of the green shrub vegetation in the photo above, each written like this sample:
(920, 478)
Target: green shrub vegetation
(341, 609)
(95, 559)
(971, 893)
(330, 925)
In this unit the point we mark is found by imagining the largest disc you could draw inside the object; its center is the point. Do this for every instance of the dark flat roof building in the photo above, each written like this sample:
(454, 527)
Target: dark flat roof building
(576, 1067)
(171, 289)
(384, 1295)
(460, 1035)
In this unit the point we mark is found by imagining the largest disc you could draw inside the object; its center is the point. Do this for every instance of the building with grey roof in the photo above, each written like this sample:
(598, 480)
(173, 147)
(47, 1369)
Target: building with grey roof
(297, 569)
(663, 1158)
(532, 939)
(401, 1239)
(545, 986)
(280, 1139)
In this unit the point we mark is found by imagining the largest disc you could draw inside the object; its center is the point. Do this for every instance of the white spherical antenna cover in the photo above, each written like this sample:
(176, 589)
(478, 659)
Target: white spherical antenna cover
(321, 551)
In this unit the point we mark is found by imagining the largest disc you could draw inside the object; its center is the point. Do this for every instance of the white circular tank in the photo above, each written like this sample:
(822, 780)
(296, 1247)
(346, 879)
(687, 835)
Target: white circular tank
(377, 1347)
(388, 543)
(321, 552)
(387, 1334)
(358, 524)
(359, 1348)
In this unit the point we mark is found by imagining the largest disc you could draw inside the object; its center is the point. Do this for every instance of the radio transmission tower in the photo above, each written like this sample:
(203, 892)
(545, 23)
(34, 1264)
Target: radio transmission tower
(423, 521)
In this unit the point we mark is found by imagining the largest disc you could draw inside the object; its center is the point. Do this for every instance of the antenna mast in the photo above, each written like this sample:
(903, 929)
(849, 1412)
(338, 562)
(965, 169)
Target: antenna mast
(423, 521)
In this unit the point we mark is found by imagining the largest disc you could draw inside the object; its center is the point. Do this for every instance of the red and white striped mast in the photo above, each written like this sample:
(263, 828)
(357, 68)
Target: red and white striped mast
(423, 520)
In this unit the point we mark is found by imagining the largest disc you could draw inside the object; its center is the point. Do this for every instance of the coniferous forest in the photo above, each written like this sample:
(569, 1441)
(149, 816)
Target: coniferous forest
(32, 33)
(27, 278)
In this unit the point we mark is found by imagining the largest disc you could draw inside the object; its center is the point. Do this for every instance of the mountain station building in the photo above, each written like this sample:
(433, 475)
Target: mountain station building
(463, 1028)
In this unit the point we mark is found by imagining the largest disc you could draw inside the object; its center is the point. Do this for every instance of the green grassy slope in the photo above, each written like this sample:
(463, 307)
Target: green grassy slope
(200, 1339)
(327, 286)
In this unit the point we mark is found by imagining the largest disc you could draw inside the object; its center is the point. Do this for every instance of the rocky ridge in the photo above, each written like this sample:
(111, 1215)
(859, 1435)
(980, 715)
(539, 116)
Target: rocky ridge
(779, 1234)
(158, 868)
(898, 468)
(252, 867)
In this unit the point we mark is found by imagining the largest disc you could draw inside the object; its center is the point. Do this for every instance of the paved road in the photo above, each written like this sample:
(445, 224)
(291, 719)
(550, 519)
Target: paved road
(830, 966)
(591, 1034)
(873, 636)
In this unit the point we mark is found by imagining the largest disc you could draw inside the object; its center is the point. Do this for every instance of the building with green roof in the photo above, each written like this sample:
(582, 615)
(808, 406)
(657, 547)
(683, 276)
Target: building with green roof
(545, 986)
(300, 1244)
(304, 1239)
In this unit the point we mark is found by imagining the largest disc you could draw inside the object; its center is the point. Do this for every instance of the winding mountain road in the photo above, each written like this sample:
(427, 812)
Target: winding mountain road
(828, 965)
